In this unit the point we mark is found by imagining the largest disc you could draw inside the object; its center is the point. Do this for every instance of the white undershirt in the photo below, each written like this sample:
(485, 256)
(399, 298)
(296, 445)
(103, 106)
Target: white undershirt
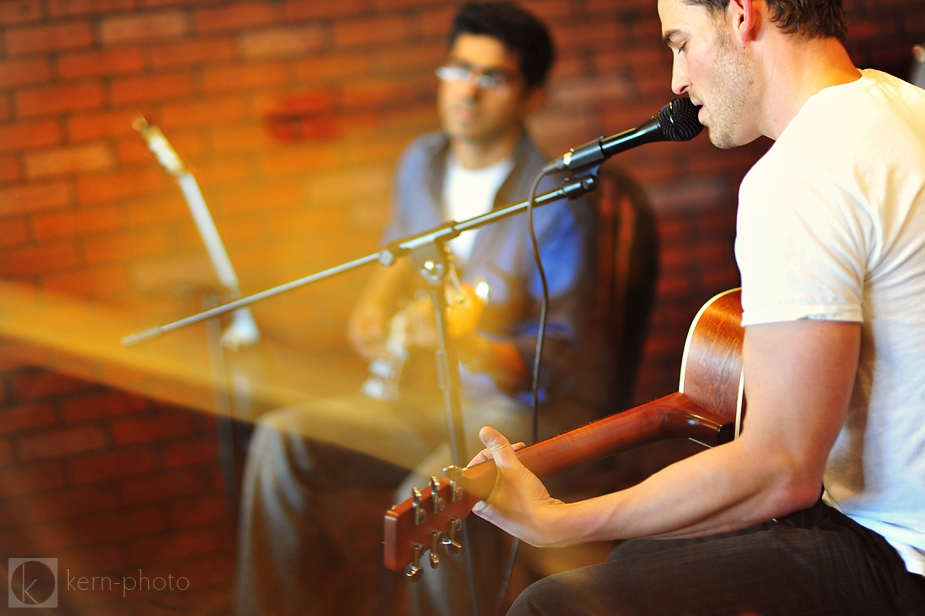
(468, 193)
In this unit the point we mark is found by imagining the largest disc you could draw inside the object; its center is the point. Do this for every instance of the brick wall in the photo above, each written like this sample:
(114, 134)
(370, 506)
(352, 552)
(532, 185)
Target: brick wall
(291, 114)
(114, 486)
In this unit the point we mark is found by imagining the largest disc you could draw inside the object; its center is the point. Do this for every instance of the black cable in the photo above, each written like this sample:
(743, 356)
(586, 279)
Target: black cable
(537, 359)
(544, 305)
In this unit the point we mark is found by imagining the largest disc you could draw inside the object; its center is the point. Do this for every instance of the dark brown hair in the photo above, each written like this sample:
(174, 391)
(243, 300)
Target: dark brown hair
(811, 18)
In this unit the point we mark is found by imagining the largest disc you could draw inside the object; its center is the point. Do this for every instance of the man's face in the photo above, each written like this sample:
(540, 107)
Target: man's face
(482, 114)
(711, 69)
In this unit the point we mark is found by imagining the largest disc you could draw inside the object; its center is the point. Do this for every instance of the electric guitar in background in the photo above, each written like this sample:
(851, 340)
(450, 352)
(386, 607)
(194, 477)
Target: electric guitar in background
(243, 330)
(708, 409)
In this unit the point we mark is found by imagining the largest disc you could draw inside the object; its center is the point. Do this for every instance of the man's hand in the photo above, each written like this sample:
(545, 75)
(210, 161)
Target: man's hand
(519, 502)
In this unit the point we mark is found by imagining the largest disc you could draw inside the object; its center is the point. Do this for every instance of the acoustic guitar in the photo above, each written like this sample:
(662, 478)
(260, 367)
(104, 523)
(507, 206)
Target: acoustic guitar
(708, 409)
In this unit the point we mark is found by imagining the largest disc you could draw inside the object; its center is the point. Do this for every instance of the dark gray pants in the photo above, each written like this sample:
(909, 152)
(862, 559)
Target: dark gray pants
(318, 480)
(816, 561)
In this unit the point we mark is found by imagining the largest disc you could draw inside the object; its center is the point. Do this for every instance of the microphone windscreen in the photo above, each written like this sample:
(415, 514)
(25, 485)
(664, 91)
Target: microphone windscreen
(678, 120)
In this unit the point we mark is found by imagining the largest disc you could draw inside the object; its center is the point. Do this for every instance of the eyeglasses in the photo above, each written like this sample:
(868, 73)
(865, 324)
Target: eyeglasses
(484, 81)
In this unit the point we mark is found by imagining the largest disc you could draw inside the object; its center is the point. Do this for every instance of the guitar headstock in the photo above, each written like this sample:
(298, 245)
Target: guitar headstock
(158, 144)
(429, 521)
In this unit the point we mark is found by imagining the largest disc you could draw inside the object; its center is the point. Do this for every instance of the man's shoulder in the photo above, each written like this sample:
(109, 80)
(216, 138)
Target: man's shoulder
(426, 144)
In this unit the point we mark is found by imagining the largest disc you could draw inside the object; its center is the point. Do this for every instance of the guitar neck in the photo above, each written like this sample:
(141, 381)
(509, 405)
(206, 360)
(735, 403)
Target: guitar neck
(673, 416)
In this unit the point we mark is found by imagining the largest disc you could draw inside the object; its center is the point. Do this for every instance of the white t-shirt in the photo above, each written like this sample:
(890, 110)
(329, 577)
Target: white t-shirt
(831, 225)
(468, 193)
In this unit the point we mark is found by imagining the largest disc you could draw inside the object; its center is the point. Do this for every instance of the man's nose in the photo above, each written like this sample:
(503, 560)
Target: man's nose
(680, 80)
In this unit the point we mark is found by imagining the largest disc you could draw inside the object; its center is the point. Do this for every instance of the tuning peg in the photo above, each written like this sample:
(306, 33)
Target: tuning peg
(435, 493)
(415, 572)
(455, 475)
(419, 514)
(435, 537)
(450, 544)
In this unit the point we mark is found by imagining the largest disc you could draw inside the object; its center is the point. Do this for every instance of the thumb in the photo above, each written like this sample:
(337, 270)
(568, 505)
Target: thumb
(500, 448)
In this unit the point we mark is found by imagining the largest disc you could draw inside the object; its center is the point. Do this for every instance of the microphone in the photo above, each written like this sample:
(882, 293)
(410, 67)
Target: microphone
(676, 121)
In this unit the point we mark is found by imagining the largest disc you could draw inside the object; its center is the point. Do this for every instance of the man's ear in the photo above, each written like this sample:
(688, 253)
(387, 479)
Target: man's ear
(742, 16)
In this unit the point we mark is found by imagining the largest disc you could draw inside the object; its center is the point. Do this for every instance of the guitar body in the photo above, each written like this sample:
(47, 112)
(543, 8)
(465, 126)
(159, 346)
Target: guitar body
(707, 409)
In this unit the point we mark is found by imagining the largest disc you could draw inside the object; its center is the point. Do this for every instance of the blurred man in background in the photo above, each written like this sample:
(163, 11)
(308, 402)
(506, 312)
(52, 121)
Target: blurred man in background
(302, 459)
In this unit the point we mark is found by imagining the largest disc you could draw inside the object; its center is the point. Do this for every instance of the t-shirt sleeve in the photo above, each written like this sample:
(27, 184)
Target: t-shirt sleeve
(800, 246)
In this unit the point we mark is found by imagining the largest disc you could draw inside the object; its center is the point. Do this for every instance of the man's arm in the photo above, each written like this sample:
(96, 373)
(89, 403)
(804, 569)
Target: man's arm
(799, 378)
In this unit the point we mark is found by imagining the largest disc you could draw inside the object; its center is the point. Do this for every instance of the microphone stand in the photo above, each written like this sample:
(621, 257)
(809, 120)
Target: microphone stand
(430, 253)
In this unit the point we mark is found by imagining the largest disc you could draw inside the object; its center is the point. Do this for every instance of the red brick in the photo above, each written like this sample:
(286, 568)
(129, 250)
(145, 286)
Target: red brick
(224, 172)
(69, 503)
(151, 211)
(162, 486)
(239, 15)
(37, 384)
(107, 403)
(49, 37)
(30, 479)
(303, 10)
(119, 525)
(153, 88)
(195, 451)
(34, 197)
(11, 515)
(23, 135)
(68, 160)
(10, 169)
(143, 27)
(437, 22)
(38, 541)
(94, 560)
(298, 160)
(69, 8)
(190, 52)
(57, 99)
(330, 67)
(384, 150)
(89, 282)
(102, 125)
(97, 63)
(372, 31)
(20, 11)
(91, 189)
(202, 511)
(156, 428)
(19, 72)
(386, 92)
(60, 443)
(77, 222)
(356, 184)
(202, 112)
(235, 139)
(416, 60)
(263, 197)
(283, 41)
(125, 247)
(161, 3)
(4, 107)
(112, 465)
(180, 545)
(13, 231)
(27, 416)
(6, 454)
